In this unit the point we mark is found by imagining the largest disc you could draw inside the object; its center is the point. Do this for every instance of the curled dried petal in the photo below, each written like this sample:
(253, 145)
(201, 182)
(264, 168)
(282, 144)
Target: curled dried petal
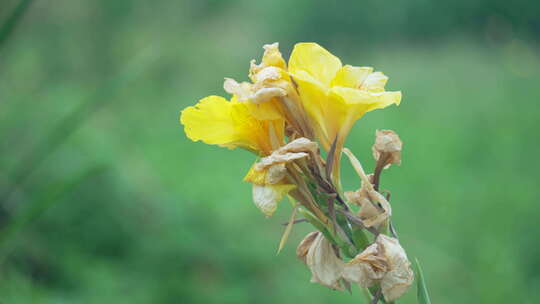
(266, 94)
(301, 144)
(367, 268)
(267, 197)
(276, 158)
(379, 215)
(296, 149)
(276, 173)
(247, 92)
(380, 209)
(384, 262)
(242, 91)
(400, 275)
(305, 244)
(326, 267)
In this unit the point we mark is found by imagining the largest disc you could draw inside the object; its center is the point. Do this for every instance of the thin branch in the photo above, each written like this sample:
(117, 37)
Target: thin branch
(379, 168)
(295, 222)
(357, 221)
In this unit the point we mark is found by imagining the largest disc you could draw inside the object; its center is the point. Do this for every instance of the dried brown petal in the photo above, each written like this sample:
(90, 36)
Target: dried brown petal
(400, 275)
(387, 147)
(296, 149)
(242, 91)
(305, 244)
(266, 94)
(367, 268)
(383, 262)
(277, 158)
(375, 209)
(276, 173)
(247, 92)
(378, 211)
(301, 144)
(326, 267)
(267, 197)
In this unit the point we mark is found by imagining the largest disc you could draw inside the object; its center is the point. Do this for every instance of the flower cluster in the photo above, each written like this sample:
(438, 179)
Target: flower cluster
(295, 116)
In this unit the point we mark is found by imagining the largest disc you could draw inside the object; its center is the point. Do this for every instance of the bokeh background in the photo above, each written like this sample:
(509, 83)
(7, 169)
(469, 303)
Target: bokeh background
(104, 199)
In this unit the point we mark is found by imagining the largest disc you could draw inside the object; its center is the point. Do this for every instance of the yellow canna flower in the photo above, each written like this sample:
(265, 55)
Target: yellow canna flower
(217, 121)
(335, 96)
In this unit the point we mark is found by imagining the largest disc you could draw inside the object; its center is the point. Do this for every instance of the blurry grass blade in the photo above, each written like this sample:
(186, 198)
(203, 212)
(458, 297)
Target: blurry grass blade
(35, 210)
(287, 231)
(422, 292)
(8, 26)
(73, 121)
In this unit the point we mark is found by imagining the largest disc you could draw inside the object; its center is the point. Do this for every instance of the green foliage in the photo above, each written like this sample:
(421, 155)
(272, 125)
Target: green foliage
(169, 221)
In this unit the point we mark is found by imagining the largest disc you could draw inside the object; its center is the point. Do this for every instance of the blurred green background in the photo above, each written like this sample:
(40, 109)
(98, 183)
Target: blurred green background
(104, 199)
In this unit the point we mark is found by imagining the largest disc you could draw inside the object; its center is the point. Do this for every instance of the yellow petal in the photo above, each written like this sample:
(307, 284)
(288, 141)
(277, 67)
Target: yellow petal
(210, 121)
(351, 76)
(359, 102)
(315, 60)
(216, 121)
(254, 176)
(269, 110)
(314, 100)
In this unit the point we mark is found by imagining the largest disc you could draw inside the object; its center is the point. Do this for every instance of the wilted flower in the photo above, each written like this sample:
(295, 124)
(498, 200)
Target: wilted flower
(383, 262)
(387, 147)
(326, 267)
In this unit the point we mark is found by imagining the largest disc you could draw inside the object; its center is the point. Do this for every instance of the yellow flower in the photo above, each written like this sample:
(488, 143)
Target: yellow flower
(217, 121)
(335, 96)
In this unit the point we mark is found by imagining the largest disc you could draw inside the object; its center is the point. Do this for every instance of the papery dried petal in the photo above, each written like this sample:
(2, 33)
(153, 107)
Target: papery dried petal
(276, 158)
(400, 275)
(266, 94)
(276, 173)
(326, 267)
(367, 268)
(301, 144)
(242, 91)
(266, 198)
(368, 194)
(305, 244)
(371, 217)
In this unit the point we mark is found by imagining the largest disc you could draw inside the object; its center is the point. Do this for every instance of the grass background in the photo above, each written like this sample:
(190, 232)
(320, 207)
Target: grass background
(109, 202)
